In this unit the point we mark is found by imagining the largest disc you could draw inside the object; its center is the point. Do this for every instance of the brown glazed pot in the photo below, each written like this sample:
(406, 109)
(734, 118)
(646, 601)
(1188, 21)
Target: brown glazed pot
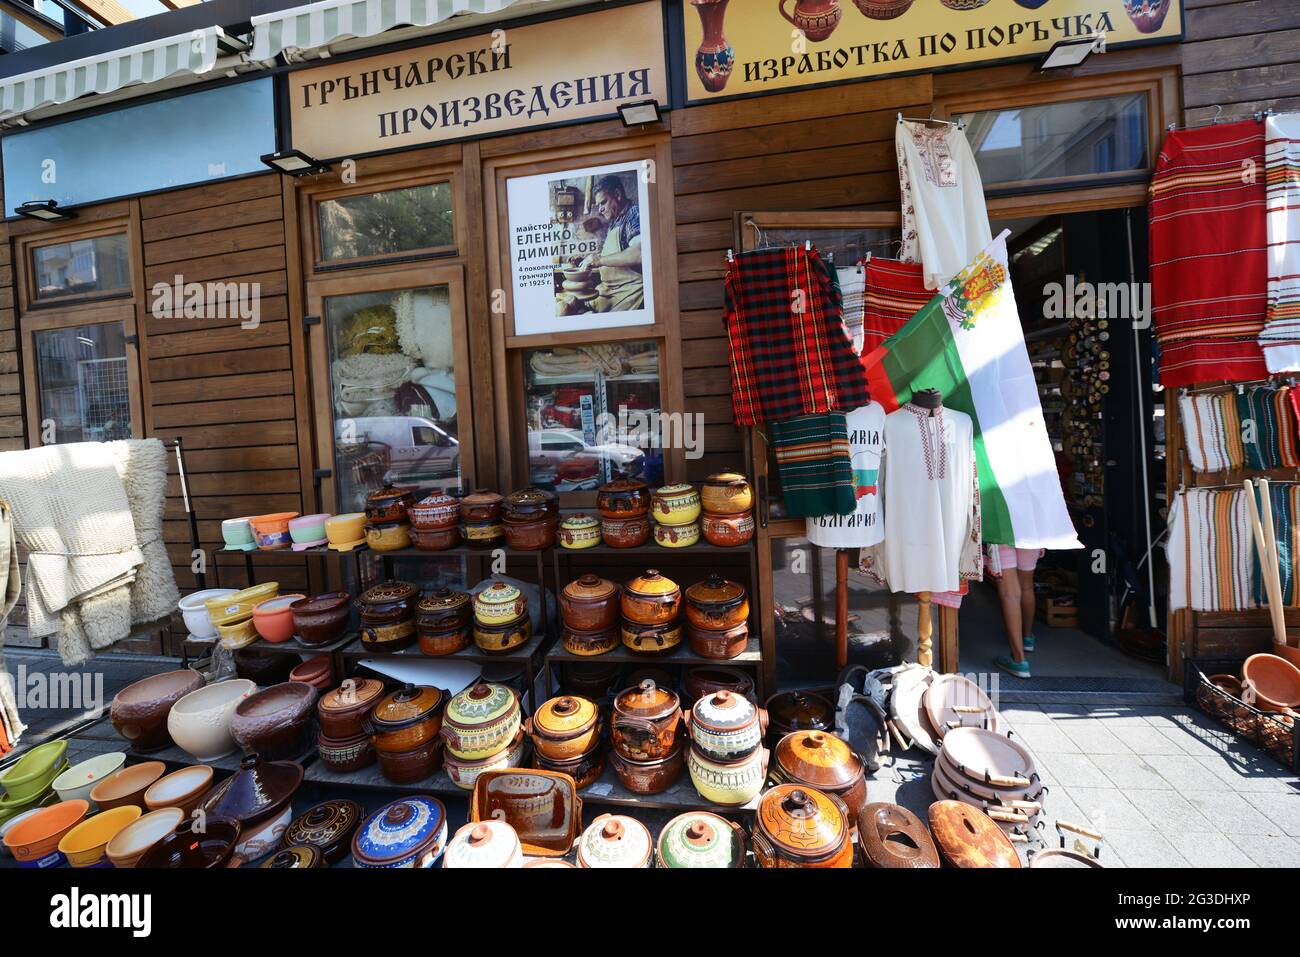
(404, 767)
(321, 619)
(406, 718)
(139, 711)
(719, 645)
(727, 530)
(481, 505)
(388, 639)
(387, 603)
(649, 777)
(648, 640)
(726, 493)
(590, 604)
(585, 769)
(501, 639)
(435, 539)
(276, 723)
(797, 711)
(346, 754)
(697, 682)
(651, 599)
(443, 610)
(589, 644)
(439, 644)
(630, 532)
(647, 722)
(435, 511)
(342, 712)
(564, 728)
(531, 534)
(483, 534)
(589, 680)
(211, 846)
(822, 761)
(716, 604)
(530, 503)
(623, 498)
(389, 504)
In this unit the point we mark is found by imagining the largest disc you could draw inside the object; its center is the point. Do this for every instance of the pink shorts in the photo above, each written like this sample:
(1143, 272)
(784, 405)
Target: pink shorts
(1026, 559)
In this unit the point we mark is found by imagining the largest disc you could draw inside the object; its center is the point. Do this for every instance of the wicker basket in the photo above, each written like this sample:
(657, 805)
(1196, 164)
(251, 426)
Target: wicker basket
(882, 9)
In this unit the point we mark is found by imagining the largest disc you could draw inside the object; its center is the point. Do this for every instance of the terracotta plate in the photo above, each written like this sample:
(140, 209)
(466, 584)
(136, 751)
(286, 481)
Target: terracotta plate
(1016, 819)
(947, 693)
(893, 837)
(975, 751)
(967, 837)
(979, 788)
(907, 708)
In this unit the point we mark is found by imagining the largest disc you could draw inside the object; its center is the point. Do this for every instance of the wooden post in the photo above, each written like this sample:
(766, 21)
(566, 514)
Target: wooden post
(841, 609)
(924, 638)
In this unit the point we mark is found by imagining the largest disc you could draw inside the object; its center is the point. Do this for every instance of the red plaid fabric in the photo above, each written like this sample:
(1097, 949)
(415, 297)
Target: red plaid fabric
(790, 355)
(1209, 268)
(895, 292)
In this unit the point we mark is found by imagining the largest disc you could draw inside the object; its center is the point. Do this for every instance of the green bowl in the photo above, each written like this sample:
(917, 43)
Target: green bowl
(35, 771)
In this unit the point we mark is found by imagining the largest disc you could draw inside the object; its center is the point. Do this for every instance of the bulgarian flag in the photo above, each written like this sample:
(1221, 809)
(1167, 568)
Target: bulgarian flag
(967, 342)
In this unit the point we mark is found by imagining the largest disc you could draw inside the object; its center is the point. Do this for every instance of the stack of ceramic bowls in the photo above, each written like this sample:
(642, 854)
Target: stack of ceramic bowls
(29, 782)
(727, 760)
(238, 535)
(530, 518)
(646, 738)
(992, 772)
(579, 530)
(717, 617)
(480, 516)
(501, 620)
(624, 513)
(271, 531)
(650, 604)
(346, 532)
(194, 610)
(388, 527)
(482, 729)
(232, 614)
(442, 622)
(343, 742)
(566, 738)
(676, 512)
(405, 729)
(727, 500)
(308, 531)
(589, 607)
(435, 522)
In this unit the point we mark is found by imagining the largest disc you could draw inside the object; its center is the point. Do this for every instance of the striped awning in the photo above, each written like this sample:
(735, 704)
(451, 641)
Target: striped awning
(317, 24)
(194, 52)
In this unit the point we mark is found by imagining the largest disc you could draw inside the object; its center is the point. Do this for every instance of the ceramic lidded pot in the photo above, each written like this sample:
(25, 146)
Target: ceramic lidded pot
(192, 846)
(445, 608)
(345, 754)
(328, 827)
(726, 493)
(698, 682)
(615, 840)
(435, 511)
(588, 644)
(483, 534)
(531, 534)
(585, 769)
(464, 773)
(530, 503)
(278, 722)
(651, 639)
(323, 618)
(564, 728)
(579, 531)
(590, 603)
(677, 536)
(716, 603)
(388, 536)
(729, 783)
(630, 532)
(407, 767)
(389, 504)
(294, 856)
(726, 726)
(797, 711)
(799, 826)
(255, 793)
(439, 644)
(484, 844)
(435, 539)
(407, 717)
(342, 712)
(727, 531)
(481, 505)
(500, 639)
(388, 616)
(410, 832)
(823, 761)
(719, 645)
(480, 721)
(139, 711)
(701, 839)
(651, 599)
(893, 837)
(623, 498)
(501, 603)
(650, 777)
(646, 723)
(675, 504)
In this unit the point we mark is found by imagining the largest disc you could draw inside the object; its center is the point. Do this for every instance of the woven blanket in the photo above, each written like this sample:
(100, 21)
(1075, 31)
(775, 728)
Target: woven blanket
(1210, 550)
(1212, 431)
(852, 280)
(894, 292)
(1281, 336)
(789, 353)
(1285, 499)
(1208, 262)
(813, 461)
(1268, 427)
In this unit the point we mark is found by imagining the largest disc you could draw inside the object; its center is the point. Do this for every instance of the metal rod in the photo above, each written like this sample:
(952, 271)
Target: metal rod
(1142, 384)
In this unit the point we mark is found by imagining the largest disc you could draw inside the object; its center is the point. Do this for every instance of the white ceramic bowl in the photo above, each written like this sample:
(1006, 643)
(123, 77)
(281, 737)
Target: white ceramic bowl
(181, 789)
(130, 843)
(200, 722)
(78, 780)
(195, 612)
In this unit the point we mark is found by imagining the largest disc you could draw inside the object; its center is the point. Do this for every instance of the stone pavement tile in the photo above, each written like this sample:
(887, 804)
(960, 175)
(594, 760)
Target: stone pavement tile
(1170, 812)
(1058, 711)
(1093, 737)
(1282, 809)
(1018, 714)
(1228, 812)
(1142, 849)
(1070, 770)
(1145, 740)
(1269, 850)
(1046, 738)
(1201, 742)
(1260, 774)
(1183, 772)
(1171, 717)
(1129, 771)
(1107, 809)
(1210, 850)
(1118, 716)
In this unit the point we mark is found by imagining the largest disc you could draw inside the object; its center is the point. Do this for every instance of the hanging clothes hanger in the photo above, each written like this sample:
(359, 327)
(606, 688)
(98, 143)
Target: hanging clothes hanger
(1258, 116)
(959, 124)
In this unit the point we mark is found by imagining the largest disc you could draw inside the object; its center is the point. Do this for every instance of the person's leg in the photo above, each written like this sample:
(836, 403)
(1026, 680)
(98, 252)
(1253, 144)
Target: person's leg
(1009, 595)
(1027, 610)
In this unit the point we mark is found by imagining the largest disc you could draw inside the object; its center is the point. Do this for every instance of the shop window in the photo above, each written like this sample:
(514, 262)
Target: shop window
(83, 383)
(593, 415)
(100, 266)
(414, 219)
(1060, 141)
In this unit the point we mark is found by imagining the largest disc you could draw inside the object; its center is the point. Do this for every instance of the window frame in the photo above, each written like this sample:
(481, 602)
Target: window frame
(28, 245)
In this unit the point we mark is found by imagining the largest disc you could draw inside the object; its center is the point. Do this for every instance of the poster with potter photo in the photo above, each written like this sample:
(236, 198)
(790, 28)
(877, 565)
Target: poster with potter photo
(580, 249)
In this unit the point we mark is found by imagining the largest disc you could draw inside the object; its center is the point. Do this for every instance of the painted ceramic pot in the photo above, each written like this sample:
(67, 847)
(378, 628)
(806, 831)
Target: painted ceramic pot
(726, 726)
(345, 755)
(483, 534)
(651, 599)
(589, 644)
(816, 18)
(720, 645)
(345, 532)
(480, 721)
(481, 506)
(716, 603)
(406, 718)
(237, 533)
(649, 777)
(585, 769)
(500, 639)
(388, 603)
(631, 532)
(799, 826)
(677, 536)
(484, 844)
(530, 503)
(615, 840)
(729, 783)
(590, 603)
(328, 827)
(579, 531)
(443, 609)
(726, 493)
(273, 618)
(294, 857)
(822, 761)
(564, 728)
(342, 712)
(257, 839)
(308, 531)
(501, 603)
(388, 639)
(323, 618)
(623, 498)
(646, 722)
(389, 504)
(464, 773)
(727, 531)
(714, 58)
(436, 511)
(440, 643)
(700, 839)
(435, 539)
(675, 504)
(139, 711)
(190, 846)
(407, 767)
(200, 722)
(194, 611)
(388, 536)
(411, 832)
(1147, 15)
(650, 640)
(271, 532)
(530, 535)
(698, 682)
(278, 722)
(889, 9)
(797, 711)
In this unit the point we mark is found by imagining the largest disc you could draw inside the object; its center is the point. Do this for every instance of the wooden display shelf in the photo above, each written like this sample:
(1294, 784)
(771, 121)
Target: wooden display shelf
(651, 548)
(176, 757)
(353, 649)
(294, 647)
(751, 657)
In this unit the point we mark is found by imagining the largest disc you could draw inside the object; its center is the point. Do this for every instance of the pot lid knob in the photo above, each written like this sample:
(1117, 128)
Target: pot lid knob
(648, 687)
(249, 761)
(651, 573)
(480, 691)
(566, 705)
(613, 830)
(814, 739)
(588, 580)
(798, 804)
(714, 580)
(318, 815)
(699, 832)
(722, 698)
(480, 835)
(398, 814)
(406, 693)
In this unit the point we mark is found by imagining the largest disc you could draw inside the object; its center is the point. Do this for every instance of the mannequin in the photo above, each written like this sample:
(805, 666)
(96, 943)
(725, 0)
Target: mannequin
(928, 399)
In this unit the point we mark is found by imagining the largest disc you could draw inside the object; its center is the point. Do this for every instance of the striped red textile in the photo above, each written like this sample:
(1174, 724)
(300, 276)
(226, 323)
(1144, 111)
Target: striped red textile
(1209, 269)
(895, 291)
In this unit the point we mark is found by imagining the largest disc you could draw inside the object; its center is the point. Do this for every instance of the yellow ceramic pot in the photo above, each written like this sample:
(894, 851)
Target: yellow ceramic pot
(229, 609)
(677, 536)
(499, 604)
(565, 728)
(730, 783)
(675, 504)
(238, 634)
(388, 536)
(726, 493)
(84, 845)
(579, 531)
(346, 532)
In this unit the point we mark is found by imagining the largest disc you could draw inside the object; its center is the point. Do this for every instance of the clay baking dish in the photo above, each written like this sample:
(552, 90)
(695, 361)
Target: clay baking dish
(1275, 680)
(323, 618)
(139, 711)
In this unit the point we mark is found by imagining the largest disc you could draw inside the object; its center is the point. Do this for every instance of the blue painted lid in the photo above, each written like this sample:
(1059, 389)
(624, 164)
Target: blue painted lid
(400, 829)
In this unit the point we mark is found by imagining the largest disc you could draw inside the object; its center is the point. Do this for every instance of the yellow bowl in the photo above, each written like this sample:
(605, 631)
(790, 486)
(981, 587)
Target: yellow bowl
(229, 609)
(347, 529)
(237, 635)
(84, 845)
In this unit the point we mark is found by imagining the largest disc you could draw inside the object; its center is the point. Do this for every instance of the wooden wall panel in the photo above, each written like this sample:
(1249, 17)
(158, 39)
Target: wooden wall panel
(1243, 55)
